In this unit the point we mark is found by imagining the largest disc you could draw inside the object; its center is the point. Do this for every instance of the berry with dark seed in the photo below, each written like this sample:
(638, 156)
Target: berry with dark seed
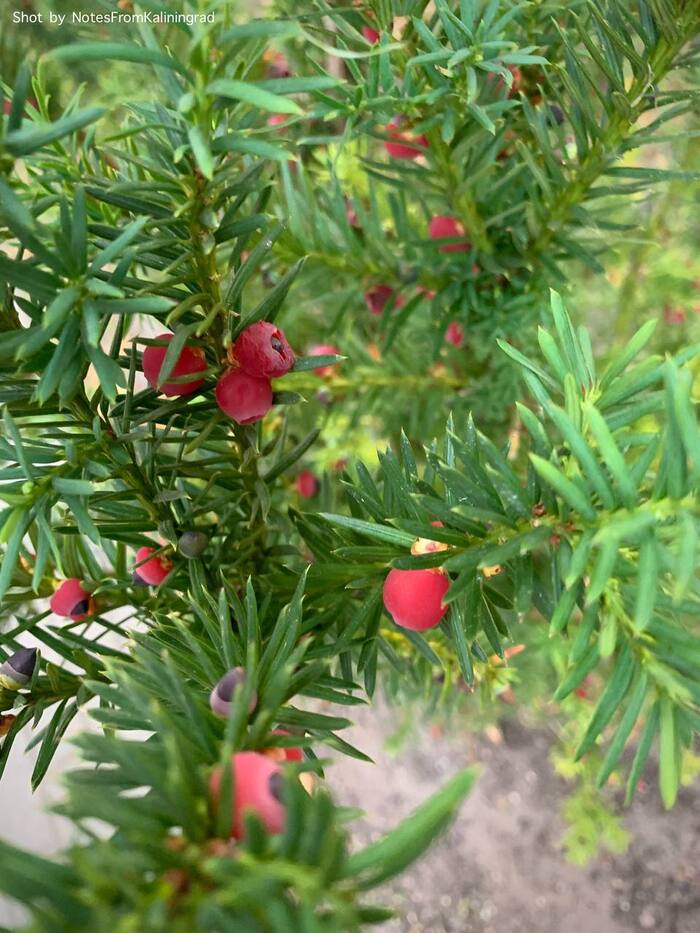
(262, 350)
(17, 670)
(72, 600)
(253, 790)
(222, 694)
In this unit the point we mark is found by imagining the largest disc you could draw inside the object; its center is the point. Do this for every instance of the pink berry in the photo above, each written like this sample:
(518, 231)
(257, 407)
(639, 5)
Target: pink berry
(222, 693)
(277, 119)
(306, 484)
(242, 397)
(413, 598)
(277, 64)
(371, 35)
(261, 350)
(454, 334)
(324, 349)
(351, 213)
(442, 227)
(190, 360)
(674, 315)
(257, 784)
(403, 145)
(377, 297)
(153, 571)
(72, 600)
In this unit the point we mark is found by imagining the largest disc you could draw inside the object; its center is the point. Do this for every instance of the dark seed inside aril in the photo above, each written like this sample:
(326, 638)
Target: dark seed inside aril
(81, 608)
(276, 785)
(228, 683)
(23, 661)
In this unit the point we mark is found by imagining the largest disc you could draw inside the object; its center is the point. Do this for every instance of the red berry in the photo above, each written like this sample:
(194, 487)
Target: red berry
(351, 213)
(242, 397)
(277, 65)
(324, 349)
(152, 571)
(190, 360)
(442, 227)
(262, 351)
(307, 484)
(277, 119)
(377, 297)
(280, 754)
(516, 83)
(72, 600)
(257, 786)
(413, 598)
(674, 315)
(371, 35)
(454, 334)
(405, 145)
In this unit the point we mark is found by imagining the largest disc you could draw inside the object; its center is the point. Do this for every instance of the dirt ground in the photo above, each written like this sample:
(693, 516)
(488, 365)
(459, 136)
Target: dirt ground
(500, 868)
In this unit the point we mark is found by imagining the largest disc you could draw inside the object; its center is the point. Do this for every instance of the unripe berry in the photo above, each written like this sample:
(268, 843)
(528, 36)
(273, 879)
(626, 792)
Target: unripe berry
(152, 571)
(17, 670)
(403, 145)
(442, 227)
(454, 334)
(306, 484)
(324, 349)
(413, 598)
(243, 397)
(192, 543)
(190, 360)
(257, 787)
(72, 600)
(261, 350)
(222, 694)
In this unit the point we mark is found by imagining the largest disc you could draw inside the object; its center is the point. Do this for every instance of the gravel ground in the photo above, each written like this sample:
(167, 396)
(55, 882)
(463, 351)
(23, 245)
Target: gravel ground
(500, 868)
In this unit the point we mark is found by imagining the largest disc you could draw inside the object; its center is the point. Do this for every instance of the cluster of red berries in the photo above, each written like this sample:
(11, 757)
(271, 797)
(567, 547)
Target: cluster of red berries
(244, 392)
